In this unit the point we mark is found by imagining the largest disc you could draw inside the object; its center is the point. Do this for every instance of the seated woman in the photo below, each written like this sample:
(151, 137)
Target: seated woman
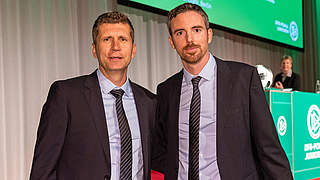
(287, 78)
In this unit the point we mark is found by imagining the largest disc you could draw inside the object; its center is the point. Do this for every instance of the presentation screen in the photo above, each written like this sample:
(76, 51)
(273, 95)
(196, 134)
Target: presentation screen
(277, 20)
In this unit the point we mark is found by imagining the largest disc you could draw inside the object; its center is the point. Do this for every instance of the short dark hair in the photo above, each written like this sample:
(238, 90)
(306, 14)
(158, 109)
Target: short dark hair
(286, 57)
(184, 8)
(111, 18)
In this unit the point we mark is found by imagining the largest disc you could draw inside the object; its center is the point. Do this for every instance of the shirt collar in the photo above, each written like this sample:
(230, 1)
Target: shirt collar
(106, 85)
(288, 75)
(206, 73)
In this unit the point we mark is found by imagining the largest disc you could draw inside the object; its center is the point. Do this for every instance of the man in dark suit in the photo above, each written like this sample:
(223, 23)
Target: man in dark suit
(287, 78)
(213, 118)
(97, 126)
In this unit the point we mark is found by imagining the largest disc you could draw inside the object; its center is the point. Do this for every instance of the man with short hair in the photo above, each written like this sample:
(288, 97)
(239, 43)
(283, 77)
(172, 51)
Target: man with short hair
(287, 78)
(97, 126)
(213, 118)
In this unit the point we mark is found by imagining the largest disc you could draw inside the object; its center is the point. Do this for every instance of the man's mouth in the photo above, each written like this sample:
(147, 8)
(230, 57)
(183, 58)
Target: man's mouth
(115, 58)
(191, 48)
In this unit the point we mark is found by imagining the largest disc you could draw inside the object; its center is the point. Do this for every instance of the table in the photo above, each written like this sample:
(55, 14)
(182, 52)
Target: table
(296, 116)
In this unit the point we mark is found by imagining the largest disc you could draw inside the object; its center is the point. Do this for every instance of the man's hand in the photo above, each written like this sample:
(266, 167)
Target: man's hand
(278, 85)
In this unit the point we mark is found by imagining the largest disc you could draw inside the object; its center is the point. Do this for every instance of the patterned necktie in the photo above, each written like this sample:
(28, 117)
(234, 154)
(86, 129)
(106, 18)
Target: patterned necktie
(125, 137)
(194, 123)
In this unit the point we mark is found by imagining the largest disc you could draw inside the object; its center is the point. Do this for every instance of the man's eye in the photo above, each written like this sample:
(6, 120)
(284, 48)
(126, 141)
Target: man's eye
(106, 39)
(197, 30)
(179, 33)
(123, 39)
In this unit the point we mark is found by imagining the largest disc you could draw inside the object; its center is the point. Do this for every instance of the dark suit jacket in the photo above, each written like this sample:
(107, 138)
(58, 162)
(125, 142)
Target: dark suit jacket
(72, 140)
(290, 82)
(248, 147)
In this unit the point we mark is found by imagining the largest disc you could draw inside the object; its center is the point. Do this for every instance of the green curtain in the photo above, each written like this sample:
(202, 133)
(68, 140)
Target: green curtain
(308, 60)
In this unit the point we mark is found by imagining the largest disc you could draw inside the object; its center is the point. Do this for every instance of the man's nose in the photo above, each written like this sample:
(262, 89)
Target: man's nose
(115, 45)
(189, 37)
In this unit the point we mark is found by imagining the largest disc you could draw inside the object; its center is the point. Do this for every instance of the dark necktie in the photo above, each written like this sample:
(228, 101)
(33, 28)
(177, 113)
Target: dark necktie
(194, 123)
(125, 137)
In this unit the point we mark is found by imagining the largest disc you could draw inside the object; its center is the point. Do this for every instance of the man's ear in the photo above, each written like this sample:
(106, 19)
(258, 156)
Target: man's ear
(210, 33)
(133, 52)
(171, 42)
(94, 53)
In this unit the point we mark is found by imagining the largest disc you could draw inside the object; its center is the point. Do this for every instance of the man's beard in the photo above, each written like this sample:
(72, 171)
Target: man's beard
(192, 58)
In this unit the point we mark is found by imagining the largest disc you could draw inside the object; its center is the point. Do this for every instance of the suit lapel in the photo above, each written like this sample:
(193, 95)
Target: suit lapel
(224, 85)
(93, 96)
(174, 98)
(141, 100)
(224, 88)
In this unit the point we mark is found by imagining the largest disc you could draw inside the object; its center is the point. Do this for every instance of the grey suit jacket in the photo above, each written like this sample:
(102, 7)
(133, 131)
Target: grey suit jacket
(248, 147)
(72, 140)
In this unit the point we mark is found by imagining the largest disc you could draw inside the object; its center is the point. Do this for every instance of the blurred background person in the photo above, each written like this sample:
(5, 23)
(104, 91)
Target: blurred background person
(287, 78)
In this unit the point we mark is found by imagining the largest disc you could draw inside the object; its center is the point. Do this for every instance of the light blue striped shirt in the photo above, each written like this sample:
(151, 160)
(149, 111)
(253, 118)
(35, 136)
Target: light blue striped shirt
(113, 127)
(208, 167)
